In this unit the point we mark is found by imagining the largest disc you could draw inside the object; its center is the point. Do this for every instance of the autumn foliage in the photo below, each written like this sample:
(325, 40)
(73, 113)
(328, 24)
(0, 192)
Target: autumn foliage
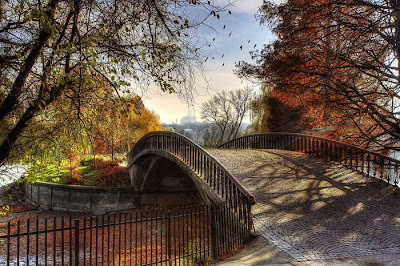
(338, 62)
(110, 174)
(73, 174)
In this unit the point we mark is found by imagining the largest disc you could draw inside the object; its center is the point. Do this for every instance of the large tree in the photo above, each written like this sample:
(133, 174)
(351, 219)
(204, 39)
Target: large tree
(337, 60)
(226, 110)
(47, 47)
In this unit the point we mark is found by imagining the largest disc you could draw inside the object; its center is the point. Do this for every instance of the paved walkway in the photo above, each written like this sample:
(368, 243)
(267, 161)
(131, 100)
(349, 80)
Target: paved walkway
(315, 211)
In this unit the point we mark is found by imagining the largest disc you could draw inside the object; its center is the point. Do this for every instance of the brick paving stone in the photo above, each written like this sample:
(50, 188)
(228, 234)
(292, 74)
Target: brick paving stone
(314, 209)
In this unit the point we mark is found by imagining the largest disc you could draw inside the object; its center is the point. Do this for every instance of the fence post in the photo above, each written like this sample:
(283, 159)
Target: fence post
(8, 242)
(214, 232)
(77, 242)
(249, 219)
(169, 249)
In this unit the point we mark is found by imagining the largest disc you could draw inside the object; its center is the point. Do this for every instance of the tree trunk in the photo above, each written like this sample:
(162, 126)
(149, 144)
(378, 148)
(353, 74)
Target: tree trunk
(13, 135)
(11, 100)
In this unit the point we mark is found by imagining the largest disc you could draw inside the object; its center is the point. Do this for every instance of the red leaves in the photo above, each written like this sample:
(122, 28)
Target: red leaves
(110, 174)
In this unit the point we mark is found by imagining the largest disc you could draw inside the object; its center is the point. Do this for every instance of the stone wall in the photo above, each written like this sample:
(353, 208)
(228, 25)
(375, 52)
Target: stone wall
(78, 198)
(100, 200)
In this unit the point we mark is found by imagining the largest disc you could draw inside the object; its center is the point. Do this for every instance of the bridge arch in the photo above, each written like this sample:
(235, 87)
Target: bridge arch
(154, 170)
(209, 176)
(367, 162)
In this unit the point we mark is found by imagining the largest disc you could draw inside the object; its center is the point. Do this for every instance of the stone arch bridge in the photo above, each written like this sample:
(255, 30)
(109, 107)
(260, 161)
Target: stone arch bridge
(312, 198)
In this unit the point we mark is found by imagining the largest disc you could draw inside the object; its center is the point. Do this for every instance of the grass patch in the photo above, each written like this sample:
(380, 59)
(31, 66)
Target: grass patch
(49, 173)
(102, 174)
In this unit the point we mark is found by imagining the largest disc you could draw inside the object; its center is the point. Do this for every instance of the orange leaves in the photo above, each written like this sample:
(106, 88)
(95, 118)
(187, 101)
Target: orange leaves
(110, 174)
(74, 162)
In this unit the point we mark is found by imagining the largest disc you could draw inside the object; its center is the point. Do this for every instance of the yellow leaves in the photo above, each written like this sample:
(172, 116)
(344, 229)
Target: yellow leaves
(4, 210)
(60, 79)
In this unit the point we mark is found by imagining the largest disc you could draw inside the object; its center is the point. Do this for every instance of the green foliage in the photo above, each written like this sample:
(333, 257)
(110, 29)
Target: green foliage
(38, 172)
(87, 161)
(168, 128)
(54, 52)
(105, 173)
(260, 111)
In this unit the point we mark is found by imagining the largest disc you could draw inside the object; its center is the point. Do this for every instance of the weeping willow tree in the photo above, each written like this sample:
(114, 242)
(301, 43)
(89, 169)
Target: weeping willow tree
(260, 111)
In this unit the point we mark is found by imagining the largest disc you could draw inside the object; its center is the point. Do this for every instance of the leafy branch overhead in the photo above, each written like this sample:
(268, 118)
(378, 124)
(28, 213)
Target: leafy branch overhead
(49, 46)
(337, 61)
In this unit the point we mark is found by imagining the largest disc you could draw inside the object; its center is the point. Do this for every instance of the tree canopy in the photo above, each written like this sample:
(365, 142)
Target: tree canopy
(50, 48)
(338, 61)
(226, 110)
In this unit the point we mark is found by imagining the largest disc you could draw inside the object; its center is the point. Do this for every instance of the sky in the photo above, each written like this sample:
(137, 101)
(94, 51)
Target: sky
(225, 49)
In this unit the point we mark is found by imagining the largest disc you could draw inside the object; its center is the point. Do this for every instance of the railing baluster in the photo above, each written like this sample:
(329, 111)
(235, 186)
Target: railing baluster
(102, 239)
(180, 231)
(8, 242)
(108, 238)
(388, 171)
(90, 239)
(146, 231)
(62, 239)
(76, 242)
(84, 240)
(119, 238)
(18, 242)
(362, 162)
(351, 158)
(70, 238)
(45, 241)
(54, 240)
(136, 237)
(130, 239)
(96, 239)
(28, 240)
(368, 165)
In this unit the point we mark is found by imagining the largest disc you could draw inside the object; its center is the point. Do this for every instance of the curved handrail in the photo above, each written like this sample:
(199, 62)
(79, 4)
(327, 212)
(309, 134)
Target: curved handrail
(368, 162)
(207, 167)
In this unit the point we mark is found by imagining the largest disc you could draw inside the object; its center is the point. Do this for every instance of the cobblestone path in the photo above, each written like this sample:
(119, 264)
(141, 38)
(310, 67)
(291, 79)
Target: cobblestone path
(313, 209)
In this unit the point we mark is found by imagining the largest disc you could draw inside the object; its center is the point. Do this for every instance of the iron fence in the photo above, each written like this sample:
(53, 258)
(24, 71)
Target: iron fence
(158, 236)
(372, 164)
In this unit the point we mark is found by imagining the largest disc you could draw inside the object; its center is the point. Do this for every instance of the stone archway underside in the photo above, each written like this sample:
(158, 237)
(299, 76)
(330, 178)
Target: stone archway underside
(162, 179)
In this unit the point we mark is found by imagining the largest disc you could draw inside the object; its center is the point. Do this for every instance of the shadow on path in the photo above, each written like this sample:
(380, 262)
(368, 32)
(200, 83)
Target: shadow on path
(315, 209)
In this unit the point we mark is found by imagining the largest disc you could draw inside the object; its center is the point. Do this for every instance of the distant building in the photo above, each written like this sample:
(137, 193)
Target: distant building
(188, 120)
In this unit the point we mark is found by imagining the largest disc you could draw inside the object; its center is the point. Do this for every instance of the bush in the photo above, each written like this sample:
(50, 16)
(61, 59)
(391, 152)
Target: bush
(73, 175)
(110, 174)
(87, 162)
(100, 163)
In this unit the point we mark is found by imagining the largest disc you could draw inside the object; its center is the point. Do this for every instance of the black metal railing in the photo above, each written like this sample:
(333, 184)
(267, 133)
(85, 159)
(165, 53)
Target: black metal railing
(158, 236)
(368, 162)
(200, 161)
